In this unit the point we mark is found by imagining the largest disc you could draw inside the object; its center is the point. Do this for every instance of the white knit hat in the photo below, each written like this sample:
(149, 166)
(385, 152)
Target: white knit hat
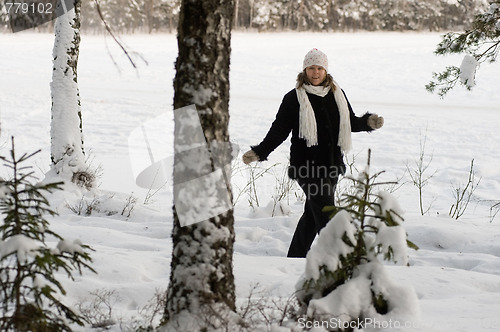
(315, 58)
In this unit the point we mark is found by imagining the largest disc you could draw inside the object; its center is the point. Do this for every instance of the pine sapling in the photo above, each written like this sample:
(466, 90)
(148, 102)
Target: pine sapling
(344, 278)
(30, 293)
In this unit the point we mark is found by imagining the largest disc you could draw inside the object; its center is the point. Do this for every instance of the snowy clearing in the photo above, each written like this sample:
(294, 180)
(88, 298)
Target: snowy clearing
(456, 272)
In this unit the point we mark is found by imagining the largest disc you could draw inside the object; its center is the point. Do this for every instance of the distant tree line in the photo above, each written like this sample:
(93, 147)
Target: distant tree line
(353, 15)
(129, 16)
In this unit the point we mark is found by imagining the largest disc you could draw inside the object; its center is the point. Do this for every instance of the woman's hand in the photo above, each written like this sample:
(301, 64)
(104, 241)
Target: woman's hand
(250, 156)
(375, 121)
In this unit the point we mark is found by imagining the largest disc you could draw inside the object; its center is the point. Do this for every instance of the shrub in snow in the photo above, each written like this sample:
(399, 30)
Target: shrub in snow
(344, 281)
(30, 294)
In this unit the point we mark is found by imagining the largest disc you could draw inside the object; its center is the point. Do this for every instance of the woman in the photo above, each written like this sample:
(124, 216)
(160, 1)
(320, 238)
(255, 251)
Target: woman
(321, 120)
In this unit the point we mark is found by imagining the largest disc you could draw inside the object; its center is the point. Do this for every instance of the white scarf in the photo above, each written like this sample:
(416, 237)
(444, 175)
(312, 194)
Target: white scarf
(307, 120)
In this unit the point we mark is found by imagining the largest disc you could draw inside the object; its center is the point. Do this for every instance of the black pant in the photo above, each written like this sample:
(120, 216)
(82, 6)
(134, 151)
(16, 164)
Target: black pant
(319, 193)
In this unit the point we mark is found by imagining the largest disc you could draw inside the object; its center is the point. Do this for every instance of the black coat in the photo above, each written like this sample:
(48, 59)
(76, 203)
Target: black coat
(324, 159)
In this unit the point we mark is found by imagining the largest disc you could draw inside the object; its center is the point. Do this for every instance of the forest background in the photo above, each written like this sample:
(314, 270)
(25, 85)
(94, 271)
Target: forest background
(150, 16)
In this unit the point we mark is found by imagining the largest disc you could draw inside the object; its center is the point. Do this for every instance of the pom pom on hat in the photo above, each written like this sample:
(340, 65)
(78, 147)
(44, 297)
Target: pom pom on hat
(315, 58)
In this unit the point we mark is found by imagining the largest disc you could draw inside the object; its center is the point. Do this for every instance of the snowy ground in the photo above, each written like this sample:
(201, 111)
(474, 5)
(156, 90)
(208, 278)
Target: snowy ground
(456, 272)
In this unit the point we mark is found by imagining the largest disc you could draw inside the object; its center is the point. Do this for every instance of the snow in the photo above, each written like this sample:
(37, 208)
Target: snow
(21, 245)
(468, 71)
(70, 247)
(4, 190)
(391, 238)
(201, 95)
(330, 246)
(493, 7)
(456, 272)
(353, 299)
(388, 204)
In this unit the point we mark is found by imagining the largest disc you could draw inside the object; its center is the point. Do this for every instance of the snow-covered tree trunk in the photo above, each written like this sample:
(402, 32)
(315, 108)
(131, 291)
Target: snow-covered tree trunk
(67, 154)
(201, 292)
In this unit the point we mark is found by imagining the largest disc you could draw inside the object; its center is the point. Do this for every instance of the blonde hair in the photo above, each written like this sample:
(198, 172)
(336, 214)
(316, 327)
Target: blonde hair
(302, 79)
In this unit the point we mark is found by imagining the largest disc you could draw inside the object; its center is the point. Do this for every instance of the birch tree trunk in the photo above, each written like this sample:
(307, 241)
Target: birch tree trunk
(67, 153)
(201, 292)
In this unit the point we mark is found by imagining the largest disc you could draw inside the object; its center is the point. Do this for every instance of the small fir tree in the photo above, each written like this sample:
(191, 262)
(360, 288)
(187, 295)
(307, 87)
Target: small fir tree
(30, 294)
(344, 279)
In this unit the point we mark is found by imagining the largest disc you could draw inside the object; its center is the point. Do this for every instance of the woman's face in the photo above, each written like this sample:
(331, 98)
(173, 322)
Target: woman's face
(315, 74)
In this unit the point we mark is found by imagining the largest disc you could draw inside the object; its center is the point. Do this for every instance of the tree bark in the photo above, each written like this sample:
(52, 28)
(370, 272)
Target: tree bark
(236, 13)
(67, 153)
(201, 281)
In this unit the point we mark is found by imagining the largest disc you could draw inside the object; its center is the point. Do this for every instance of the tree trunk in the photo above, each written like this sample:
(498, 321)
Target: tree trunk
(301, 16)
(201, 292)
(252, 2)
(67, 154)
(149, 7)
(236, 12)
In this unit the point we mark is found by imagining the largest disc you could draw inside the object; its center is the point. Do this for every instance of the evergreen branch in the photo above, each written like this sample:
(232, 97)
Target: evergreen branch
(25, 307)
(484, 32)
